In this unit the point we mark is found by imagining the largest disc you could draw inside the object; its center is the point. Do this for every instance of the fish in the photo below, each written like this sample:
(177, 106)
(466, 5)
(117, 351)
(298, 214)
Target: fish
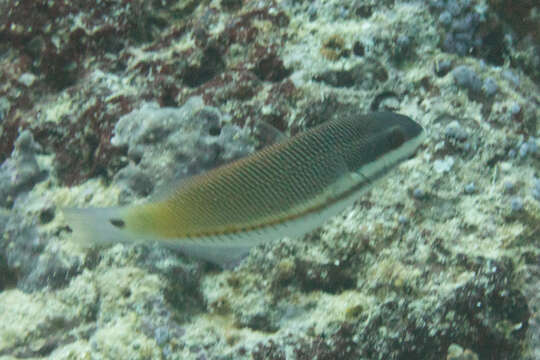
(284, 190)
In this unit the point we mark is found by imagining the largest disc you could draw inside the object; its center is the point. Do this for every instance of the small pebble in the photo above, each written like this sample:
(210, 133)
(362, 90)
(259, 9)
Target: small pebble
(508, 186)
(490, 87)
(442, 166)
(466, 78)
(510, 76)
(402, 219)
(442, 67)
(418, 193)
(516, 203)
(515, 108)
(445, 18)
(470, 188)
(506, 166)
(454, 130)
(469, 355)
(27, 79)
(454, 352)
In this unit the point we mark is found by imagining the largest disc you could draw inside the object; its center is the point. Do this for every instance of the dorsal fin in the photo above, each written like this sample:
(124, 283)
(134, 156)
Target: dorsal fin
(267, 134)
(264, 134)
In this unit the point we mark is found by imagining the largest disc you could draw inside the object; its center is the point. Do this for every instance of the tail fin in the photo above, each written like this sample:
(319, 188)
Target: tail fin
(99, 225)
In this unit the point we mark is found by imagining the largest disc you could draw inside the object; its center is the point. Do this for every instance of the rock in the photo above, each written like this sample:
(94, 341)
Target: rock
(467, 79)
(21, 171)
(490, 87)
(175, 143)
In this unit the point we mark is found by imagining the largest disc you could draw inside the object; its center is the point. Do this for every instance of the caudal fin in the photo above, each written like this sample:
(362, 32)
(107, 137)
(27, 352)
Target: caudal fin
(98, 225)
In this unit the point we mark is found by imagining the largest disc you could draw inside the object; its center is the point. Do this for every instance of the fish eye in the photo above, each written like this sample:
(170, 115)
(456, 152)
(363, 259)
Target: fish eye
(395, 137)
(119, 223)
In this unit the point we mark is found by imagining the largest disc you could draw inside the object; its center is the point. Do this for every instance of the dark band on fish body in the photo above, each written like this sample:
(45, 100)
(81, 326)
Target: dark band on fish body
(119, 223)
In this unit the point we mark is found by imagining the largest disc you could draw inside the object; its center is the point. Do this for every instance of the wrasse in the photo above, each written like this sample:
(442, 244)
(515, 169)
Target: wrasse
(286, 189)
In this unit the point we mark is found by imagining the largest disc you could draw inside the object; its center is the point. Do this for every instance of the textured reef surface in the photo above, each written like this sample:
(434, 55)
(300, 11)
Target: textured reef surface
(105, 103)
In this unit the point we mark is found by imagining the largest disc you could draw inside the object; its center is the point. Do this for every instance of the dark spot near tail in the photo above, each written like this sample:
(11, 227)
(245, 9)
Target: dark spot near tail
(119, 223)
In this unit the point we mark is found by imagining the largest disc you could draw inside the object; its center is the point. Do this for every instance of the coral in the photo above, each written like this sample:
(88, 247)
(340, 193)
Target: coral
(170, 143)
(466, 78)
(20, 172)
(33, 264)
(490, 87)
(495, 30)
(467, 30)
(366, 74)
